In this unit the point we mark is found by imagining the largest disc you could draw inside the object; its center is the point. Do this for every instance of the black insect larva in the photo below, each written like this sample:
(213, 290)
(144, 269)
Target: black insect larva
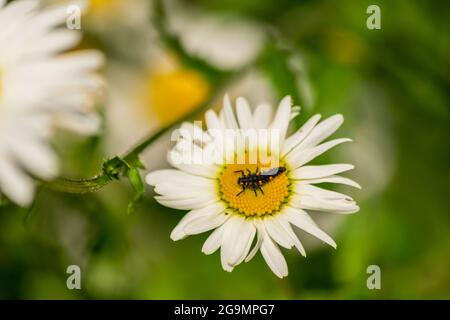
(257, 180)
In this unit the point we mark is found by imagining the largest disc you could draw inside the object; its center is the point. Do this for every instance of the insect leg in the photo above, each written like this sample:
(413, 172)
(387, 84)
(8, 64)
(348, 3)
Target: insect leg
(260, 189)
(240, 171)
(239, 193)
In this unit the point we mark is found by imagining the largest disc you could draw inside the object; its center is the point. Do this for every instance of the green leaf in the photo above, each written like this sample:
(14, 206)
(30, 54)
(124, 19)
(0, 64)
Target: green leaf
(138, 185)
(130, 168)
(114, 167)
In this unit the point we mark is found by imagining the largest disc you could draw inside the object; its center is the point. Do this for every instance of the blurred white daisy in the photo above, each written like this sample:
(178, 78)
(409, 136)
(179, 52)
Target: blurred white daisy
(40, 89)
(139, 98)
(241, 200)
(215, 37)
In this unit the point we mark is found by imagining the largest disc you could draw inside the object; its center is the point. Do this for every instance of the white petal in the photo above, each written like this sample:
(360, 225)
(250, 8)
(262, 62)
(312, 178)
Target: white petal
(212, 121)
(225, 251)
(274, 258)
(183, 191)
(282, 118)
(332, 179)
(185, 204)
(15, 10)
(176, 159)
(341, 206)
(301, 133)
(244, 233)
(262, 116)
(277, 233)
(210, 210)
(205, 223)
(322, 131)
(177, 177)
(214, 240)
(302, 220)
(194, 133)
(287, 227)
(316, 192)
(314, 172)
(16, 185)
(36, 156)
(260, 236)
(244, 114)
(223, 261)
(298, 158)
(188, 152)
(228, 114)
(86, 123)
(55, 41)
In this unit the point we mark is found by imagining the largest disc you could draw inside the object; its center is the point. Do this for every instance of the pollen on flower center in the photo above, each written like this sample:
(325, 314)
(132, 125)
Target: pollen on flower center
(275, 191)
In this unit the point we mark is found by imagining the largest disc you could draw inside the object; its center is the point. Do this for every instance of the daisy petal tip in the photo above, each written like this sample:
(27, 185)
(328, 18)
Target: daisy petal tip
(206, 252)
(344, 140)
(241, 102)
(25, 200)
(302, 252)
(282, 275)
(286, 102)
(226, 101)
(150, 179)
(228, 268)
(176, 235)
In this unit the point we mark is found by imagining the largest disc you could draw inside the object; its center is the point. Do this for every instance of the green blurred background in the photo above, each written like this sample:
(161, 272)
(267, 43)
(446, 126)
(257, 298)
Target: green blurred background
(391, 85)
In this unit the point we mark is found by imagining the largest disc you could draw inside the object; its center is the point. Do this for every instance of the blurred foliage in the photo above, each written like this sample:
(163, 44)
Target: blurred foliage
(392, 85)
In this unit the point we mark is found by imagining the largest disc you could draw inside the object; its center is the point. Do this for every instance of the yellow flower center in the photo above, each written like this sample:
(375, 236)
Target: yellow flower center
(174, 93)
(103, 6)
(274, 191)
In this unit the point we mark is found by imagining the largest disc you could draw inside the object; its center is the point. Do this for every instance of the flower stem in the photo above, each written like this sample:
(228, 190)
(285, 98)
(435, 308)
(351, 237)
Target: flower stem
(114, 171)
(78, 186)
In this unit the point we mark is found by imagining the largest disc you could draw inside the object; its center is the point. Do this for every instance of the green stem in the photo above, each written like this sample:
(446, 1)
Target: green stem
(81, 186)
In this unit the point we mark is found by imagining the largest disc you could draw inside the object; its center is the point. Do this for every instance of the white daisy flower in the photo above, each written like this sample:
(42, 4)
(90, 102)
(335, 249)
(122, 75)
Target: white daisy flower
(40, 88)
(214, 37)
(244, 200)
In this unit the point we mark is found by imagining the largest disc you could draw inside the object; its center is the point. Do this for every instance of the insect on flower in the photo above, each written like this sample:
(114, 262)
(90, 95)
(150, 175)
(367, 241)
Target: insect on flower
(257, 180)
(213, 192)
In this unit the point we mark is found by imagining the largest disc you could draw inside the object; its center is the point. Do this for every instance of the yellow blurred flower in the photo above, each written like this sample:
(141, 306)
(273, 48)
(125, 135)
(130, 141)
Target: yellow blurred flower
(174, 93)
(104, 7)
(142, 100)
